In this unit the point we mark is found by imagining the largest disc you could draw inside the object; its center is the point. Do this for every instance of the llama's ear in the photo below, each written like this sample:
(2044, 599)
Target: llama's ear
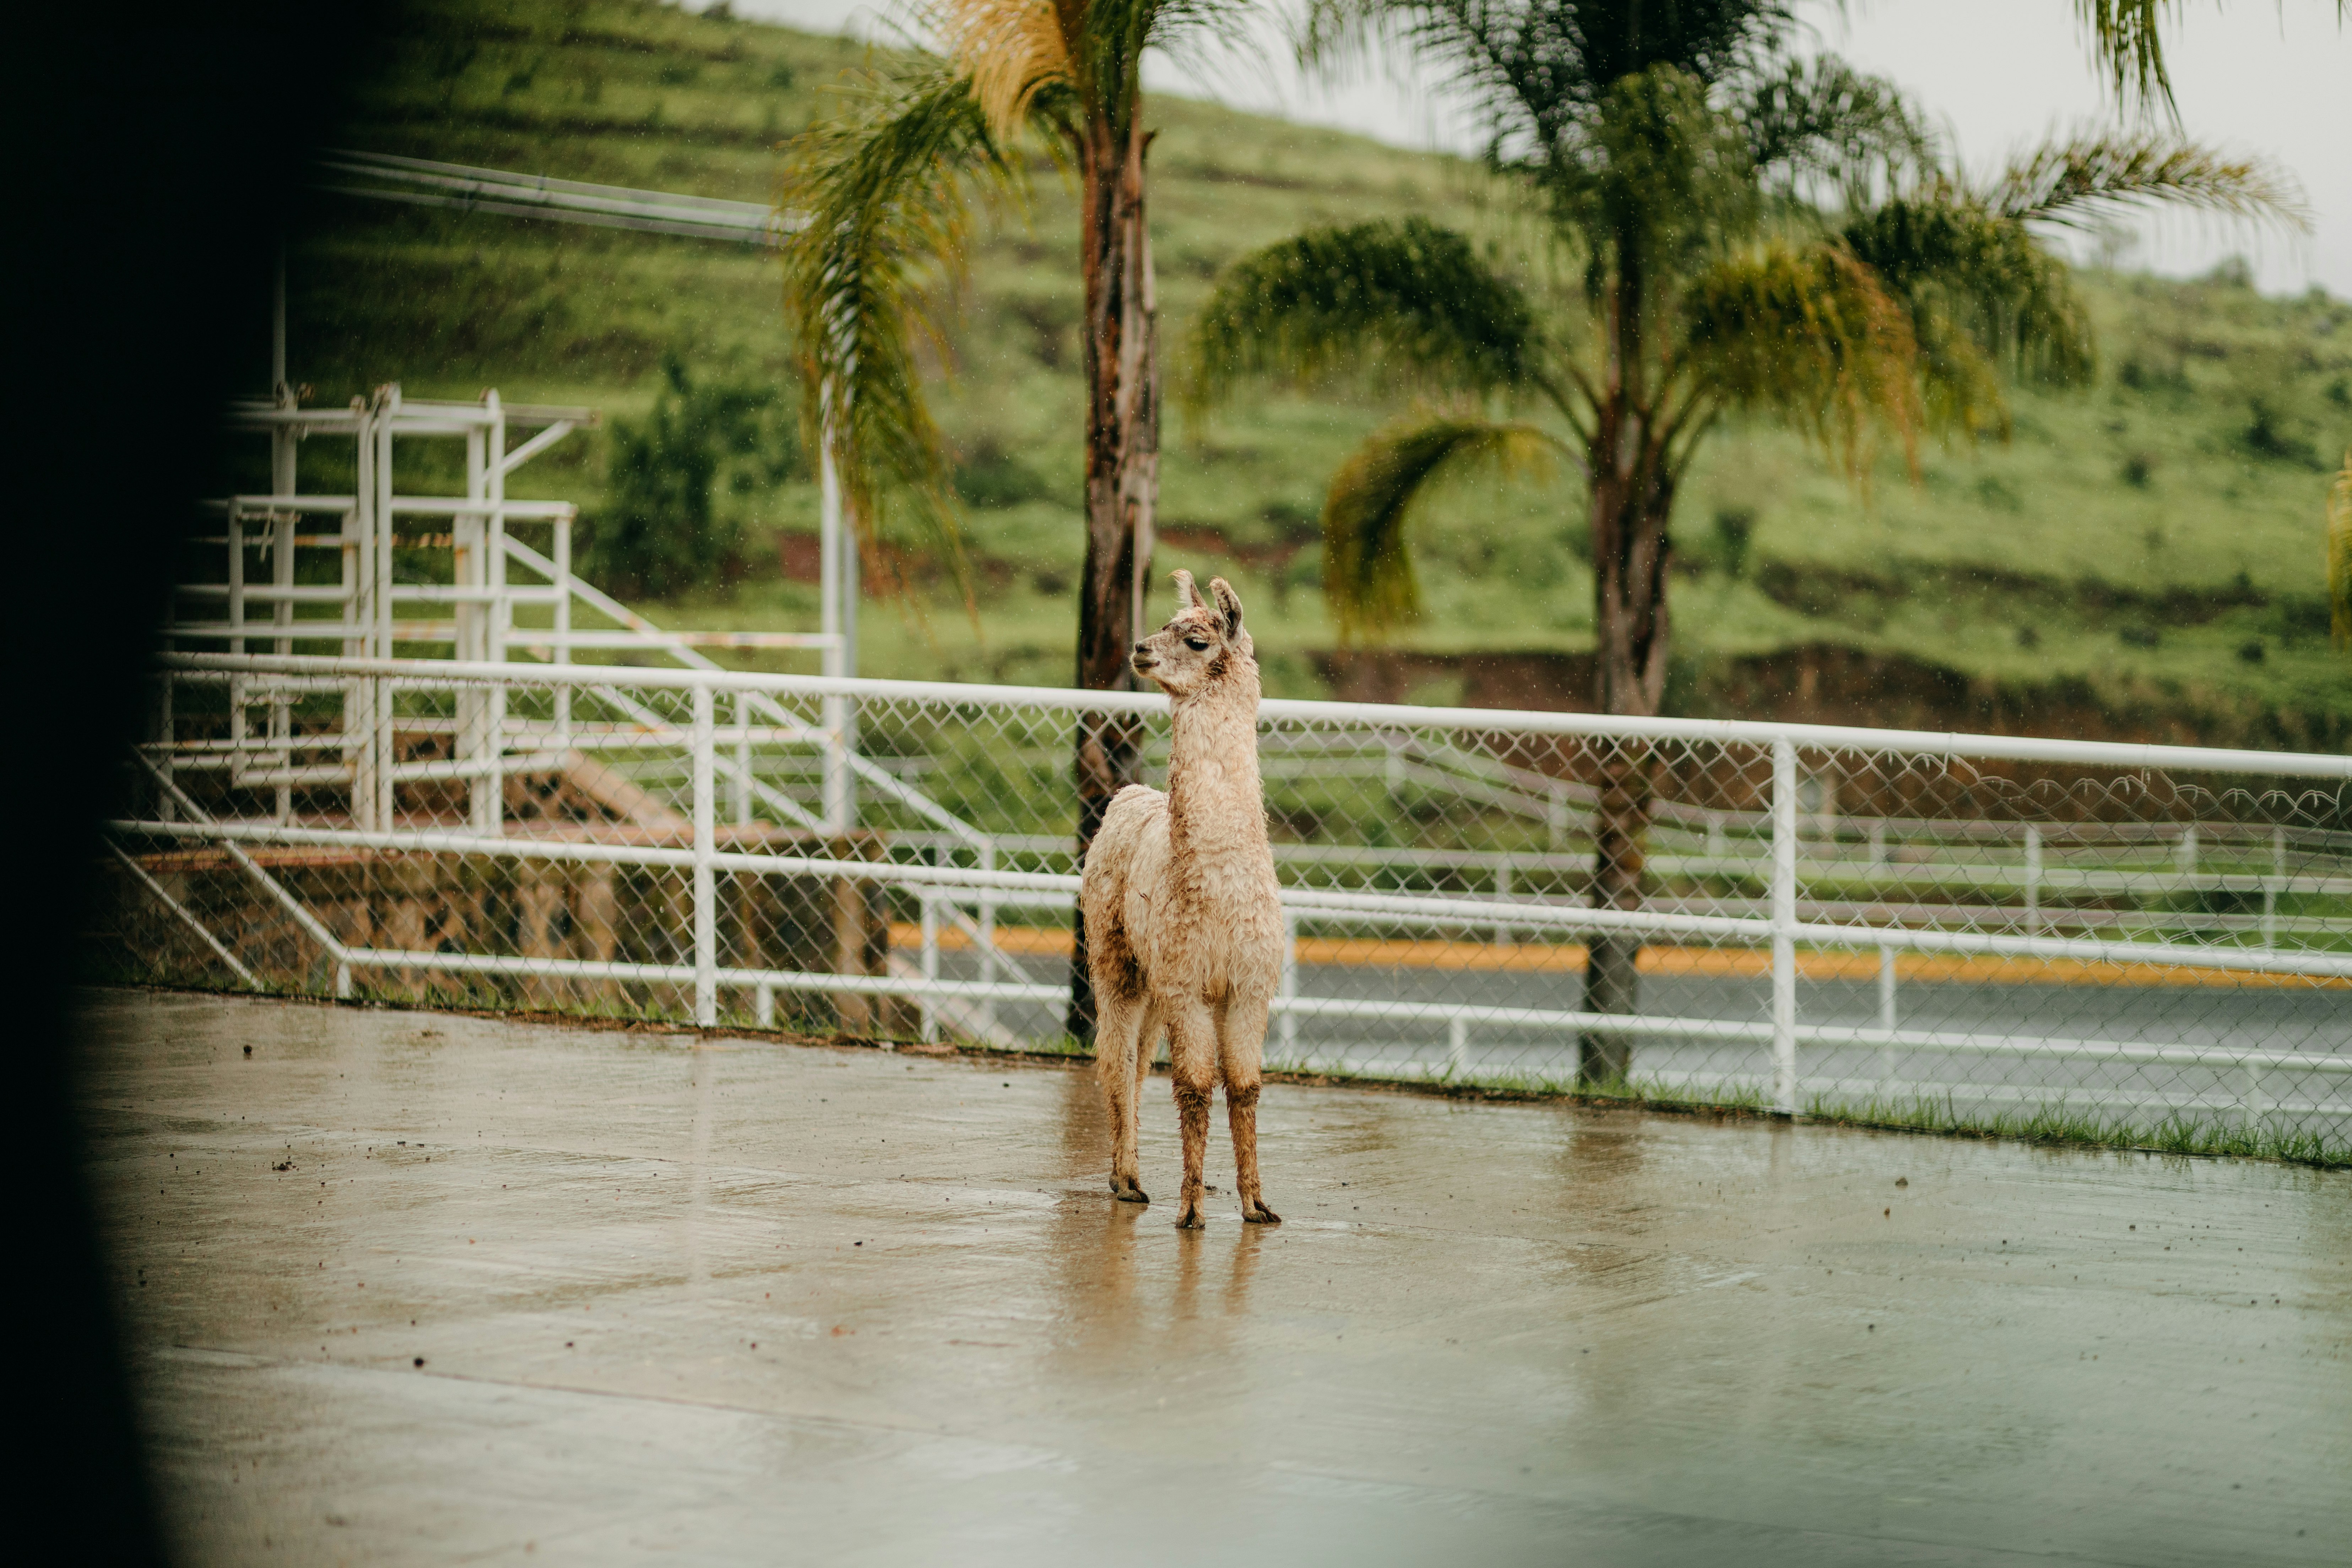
(1188, 597)
(1229, 604)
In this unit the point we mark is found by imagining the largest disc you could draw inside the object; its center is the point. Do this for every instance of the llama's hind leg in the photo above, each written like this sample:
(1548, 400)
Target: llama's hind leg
(1240, 1046)
(1147, 1042)
(1192, 1062)
(1119, 1019)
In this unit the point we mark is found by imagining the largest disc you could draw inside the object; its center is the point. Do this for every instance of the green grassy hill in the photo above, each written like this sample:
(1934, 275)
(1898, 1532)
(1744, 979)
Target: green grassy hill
(2144, 557)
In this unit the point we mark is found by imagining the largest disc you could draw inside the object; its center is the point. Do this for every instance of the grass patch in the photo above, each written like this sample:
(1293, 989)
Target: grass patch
(2057, 1122)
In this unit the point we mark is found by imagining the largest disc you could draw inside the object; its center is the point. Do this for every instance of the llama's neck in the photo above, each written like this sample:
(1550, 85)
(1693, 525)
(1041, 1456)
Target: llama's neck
(1215, 802)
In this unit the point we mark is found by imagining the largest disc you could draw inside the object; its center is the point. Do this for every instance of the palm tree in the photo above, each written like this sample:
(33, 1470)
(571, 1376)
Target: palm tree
(2128, 39)
(886, 191)
(1748, 233)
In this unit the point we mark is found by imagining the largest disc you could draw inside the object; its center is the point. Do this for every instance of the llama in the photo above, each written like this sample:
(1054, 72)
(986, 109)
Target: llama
(1183, 915)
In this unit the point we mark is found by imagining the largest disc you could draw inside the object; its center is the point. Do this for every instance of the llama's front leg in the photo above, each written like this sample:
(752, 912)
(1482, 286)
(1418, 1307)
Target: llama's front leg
(1192, 1062)
(1118, 1020)
(1241, 1047)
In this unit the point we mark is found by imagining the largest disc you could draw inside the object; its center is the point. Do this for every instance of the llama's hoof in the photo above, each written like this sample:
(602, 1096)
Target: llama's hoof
(1259, 1214)
(1125, 1190)
(1191, 1219)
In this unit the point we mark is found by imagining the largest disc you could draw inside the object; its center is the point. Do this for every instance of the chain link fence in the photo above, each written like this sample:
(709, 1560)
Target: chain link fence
(2143, 944)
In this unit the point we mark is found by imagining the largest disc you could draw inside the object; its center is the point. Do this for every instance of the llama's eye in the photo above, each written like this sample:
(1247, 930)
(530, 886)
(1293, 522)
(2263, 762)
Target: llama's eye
(1198, 645)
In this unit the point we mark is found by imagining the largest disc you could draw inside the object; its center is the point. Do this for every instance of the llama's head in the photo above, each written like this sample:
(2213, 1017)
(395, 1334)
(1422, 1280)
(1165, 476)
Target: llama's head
(1199, 644)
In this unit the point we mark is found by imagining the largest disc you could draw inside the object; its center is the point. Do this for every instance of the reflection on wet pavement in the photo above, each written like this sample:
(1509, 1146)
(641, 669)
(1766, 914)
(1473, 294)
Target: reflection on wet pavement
(415, 1287)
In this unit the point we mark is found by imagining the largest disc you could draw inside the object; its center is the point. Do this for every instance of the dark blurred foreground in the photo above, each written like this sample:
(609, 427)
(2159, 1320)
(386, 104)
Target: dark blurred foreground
(154, 148)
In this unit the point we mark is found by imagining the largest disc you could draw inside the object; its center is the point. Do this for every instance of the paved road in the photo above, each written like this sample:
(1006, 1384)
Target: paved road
(409, 1288)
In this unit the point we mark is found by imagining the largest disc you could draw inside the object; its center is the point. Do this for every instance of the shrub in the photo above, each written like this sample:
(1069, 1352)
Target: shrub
(659, 531)
(1735, 530)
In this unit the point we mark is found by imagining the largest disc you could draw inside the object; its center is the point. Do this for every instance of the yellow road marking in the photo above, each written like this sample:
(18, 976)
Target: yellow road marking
(1550, 958)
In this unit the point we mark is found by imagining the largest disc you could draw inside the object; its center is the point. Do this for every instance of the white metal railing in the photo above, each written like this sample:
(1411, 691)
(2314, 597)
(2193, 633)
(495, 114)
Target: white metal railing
(716, 753)
(423, 181)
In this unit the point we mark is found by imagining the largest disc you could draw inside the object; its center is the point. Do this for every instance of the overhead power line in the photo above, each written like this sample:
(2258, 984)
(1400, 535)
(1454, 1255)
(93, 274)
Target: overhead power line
(421, 182)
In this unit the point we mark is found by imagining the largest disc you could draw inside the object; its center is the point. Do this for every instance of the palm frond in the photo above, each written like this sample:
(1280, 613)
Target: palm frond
(1010, 51)
(1811, 336)
(1367, 576)
(2126, 38)
(1960, 266)
(887, 188)
(2339, 554)
(1960, 383)
(2080, 181)
(1408, 292)
(1656, 179)
(1107, 37)
(1541, 67)
(1823, 119)
(1192, 33)
(1335, 38)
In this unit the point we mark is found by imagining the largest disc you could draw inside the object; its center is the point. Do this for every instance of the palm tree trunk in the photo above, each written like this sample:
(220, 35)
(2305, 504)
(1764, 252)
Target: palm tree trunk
(1632, 499)
(1121, 352)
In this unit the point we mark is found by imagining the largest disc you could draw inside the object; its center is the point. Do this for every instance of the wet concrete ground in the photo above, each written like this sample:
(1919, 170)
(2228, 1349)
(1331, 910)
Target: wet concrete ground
(408, 1288)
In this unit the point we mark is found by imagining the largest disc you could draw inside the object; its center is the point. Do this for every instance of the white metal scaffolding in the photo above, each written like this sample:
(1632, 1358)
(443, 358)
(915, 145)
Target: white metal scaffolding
(358, 576)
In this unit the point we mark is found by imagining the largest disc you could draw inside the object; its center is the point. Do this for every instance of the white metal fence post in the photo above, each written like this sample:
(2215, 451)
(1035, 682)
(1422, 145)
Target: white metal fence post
(1784, 925)
(284, 481)
(498, 616)
(832, 568)
(1289, 986)
(706, 891)
(928, 900)
(359, 619)
(1886, 1020)
(237, 727)
(2032, 879)
(282, 576)
(2272, 887)
(469, 545)
(988, 967)
(563, 650)
(385, 807)
(739, 786)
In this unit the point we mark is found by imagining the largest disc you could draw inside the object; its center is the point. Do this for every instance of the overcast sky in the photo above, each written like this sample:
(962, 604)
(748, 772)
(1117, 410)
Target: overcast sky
(2272, 78)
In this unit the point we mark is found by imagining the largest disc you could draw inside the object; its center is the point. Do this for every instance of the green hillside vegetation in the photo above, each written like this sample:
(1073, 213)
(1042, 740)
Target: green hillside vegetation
(2150, 549)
